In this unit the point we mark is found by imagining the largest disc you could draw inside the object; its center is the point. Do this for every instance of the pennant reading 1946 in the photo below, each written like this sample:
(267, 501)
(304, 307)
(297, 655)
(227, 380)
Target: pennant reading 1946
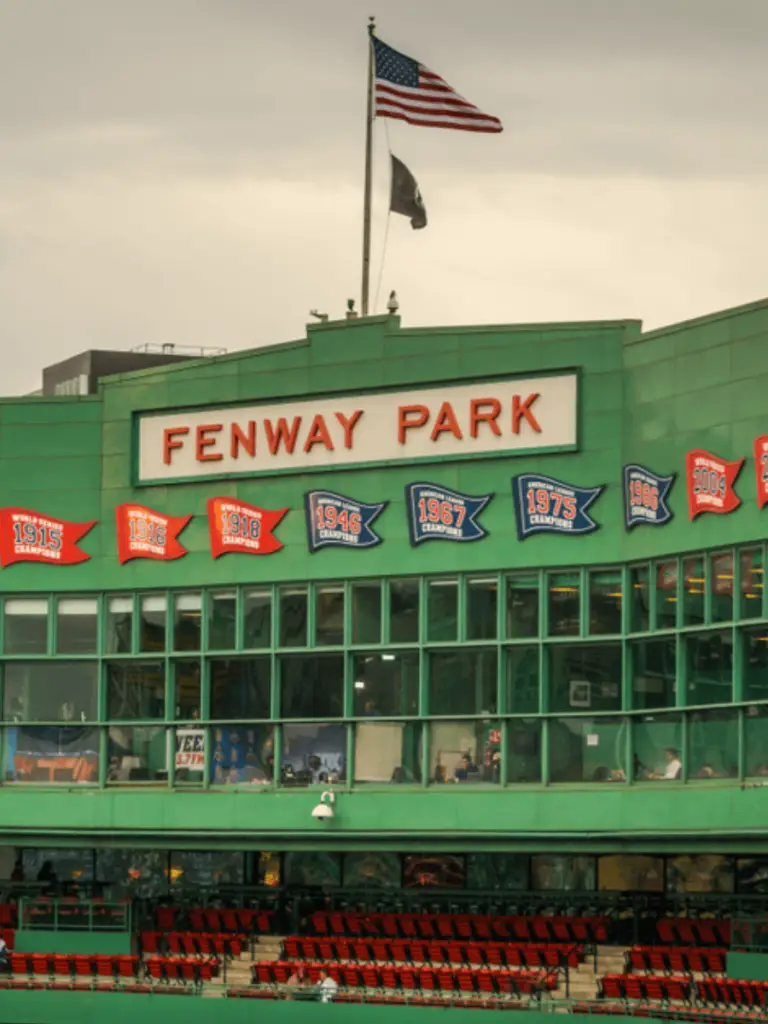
(27, 536)
(645, 495)
(237, 527)
(710, 483)
(144, 533)
(545, 505)
(435, 513)
(336, 521)
(761, 469)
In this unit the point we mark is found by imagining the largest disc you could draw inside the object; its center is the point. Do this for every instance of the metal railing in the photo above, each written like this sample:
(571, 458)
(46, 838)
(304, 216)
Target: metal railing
(41, 914)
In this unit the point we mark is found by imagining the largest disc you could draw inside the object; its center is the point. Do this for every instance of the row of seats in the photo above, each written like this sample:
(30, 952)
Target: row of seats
(224, 944)
(71, 965)
(376, 997)
(717, 991)
(671, 959)
(661, 1012)
(462, 926)
(497, 954)
(183, 969)
(693, 931)
(216, 919)
(88, 986)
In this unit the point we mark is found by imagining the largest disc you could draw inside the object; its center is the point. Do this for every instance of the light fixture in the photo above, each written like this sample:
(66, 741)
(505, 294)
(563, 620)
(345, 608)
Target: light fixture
(359, 684)
(388, 657)
(324, 810)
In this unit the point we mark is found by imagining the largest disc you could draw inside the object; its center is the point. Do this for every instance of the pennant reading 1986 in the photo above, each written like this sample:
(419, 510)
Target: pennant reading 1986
(31, 537)
(710, 483)
(144, 533)
(435, 513)
(235, 526)
(544, 505)
(645, 496)
(336, 521)
(761, 469)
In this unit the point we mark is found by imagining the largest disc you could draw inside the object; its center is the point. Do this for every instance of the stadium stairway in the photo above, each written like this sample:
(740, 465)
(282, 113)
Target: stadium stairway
(583, 980)
(238, 970)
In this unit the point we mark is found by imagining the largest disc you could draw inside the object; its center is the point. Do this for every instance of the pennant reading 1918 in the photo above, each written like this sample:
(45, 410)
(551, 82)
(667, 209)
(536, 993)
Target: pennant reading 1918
(710, 483)
(336, 521)
(144, 533)
(545, 505)
(435, 513)
(645, 495)
(237, 527)
(27, 536)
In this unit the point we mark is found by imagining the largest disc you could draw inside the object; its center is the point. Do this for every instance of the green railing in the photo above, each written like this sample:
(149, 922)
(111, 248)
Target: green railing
(750, 934)
(53, 915)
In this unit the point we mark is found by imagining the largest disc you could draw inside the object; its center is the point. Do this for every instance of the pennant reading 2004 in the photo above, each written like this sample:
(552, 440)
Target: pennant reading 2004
(144, 533)
(336, 521)
(32, 537)
(545, 505)
(645, 496)
(235, 526)
(437, 514)
(710, 483)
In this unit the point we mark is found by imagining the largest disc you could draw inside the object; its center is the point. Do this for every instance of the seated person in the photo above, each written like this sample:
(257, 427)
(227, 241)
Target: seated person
(465, 769)
(674, 766)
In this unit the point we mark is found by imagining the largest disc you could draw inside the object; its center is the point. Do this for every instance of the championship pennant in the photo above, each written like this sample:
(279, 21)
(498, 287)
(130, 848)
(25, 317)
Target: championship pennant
(645, 496)
(336, 521)
(761, 469)
(31, 537)
(710, 483)
(235, 526)
(544, 505)
(144, 533)
(435, 513)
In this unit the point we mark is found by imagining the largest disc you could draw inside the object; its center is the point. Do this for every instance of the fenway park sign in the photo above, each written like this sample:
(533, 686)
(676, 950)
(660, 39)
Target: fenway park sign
(484, 418)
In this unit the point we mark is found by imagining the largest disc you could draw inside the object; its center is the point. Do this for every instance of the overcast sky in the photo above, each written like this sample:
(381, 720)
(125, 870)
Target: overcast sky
(190, 171)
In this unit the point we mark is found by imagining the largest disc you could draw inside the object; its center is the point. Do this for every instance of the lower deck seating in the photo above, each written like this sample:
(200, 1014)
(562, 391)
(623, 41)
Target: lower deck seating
(673, 959)
(83, 966)
(724, 992)
(497, 954)
(215, 919)
(223, 944)
(694, 931)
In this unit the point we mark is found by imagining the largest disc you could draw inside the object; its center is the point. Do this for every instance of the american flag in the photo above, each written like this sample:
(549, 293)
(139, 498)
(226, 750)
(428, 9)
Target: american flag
(407, 90)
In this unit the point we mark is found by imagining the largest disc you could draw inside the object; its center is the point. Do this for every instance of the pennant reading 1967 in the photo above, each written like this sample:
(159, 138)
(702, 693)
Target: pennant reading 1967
(761, 469)
(645, 496)
(435, 513)
(237, 527)
(144, 533)
(336, 521)
(32, 537)
(544, 505)
(710, 483)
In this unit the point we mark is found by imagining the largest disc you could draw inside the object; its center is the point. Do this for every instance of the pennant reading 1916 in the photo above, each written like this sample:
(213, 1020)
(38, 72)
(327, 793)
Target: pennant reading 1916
(27, 536)
(761, 469)
(710, 483)
(435, 513)
(336, 521)
(144, 533)
(544, 505)
(645, 495)
(237, 527)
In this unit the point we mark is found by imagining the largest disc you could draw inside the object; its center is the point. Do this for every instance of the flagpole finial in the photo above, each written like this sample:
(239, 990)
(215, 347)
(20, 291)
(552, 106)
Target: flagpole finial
(371, 24)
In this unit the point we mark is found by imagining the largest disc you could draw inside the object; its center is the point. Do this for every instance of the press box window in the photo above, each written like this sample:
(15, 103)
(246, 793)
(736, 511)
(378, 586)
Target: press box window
(751, 589)
(152, 619)
(293, 617)
(442, 610)
(564, 604)
(77, 625)
(187, 613)
(666, 594)
(51, 691)
(329, 616)
(386, 684)
(522, 606)
(366, 613)
(605, 601)
(136, 690)
(257, 618)
(26, 626)
(404, 611)
(222, 620)
(482, 603)
(119, 625)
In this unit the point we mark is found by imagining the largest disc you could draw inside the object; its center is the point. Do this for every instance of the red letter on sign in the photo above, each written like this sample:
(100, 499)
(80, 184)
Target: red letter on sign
(170, 443)
(202, 441)
(239, 437)
(446, 420)
(404, 422)
(522, 410)
(318, 434)
(348, 423)
(476, 415)
(283, 433)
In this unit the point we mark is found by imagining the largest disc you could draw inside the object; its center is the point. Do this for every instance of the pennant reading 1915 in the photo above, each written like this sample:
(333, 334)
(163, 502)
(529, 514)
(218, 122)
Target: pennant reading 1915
(710, 483)
(144, 533)
(645, 495)
(27, 536)
(761, 469)
(544, 505)
(237, 527)
(336, 521)
(435, 513)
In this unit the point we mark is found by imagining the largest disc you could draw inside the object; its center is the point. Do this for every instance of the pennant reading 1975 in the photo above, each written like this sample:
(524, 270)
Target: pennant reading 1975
(336, 521)
(645, 495)
(144, 533)
(710, 483)
(544, 505)
(32, 537)
(237, 527)
(435, 513)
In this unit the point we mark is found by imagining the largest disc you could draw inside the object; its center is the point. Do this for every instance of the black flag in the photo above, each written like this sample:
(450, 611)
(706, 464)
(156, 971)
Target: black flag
(405, 196)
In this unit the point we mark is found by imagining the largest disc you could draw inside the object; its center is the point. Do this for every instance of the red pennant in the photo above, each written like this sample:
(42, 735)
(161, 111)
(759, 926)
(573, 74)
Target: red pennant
(27, 536)
(144, 533)
(235, 526)
(761, 469)
(710, 483)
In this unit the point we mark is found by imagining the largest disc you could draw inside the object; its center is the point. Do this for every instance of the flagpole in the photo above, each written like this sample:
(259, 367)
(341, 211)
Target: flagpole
(368, 171)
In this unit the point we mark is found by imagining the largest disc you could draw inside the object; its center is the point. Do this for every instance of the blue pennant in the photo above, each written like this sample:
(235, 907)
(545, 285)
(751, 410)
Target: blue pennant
(339, 522)
(435, 513)
(645, 497)
(544, 505)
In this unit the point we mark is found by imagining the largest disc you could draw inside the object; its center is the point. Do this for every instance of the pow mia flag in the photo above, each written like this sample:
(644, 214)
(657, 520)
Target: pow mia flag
(405, 196)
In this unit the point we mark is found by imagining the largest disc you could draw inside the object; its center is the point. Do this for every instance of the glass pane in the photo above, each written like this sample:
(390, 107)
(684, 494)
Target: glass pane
(654, 673)
(721, 587)
(756, 742)
(630, 872)
(386, 684)
(751, 590)
(482, 602)
(522, 606)
(136, 689)
(329, 615)
(222, 620)
(207, 868)
(240, 687)
(268, 869)
(666, 595)
(293, 617)
(51, 691)
(53, 865)
(564, 874)
(26, 626)
(693, 591)
(388, 752)
(77, 625)
(189, 744)
(708, 872)
(564, 603)
(242, 754)
(372, 870)
(605, 596)
(313, 754)
(585, 677)
(442, 610)
(464, 752)
(754, 648)
(710, 668)
(312, 686)
(187, 612)
(152, 616)
(137, 754)
(188, 690)
(713, 745)
(640, 614)
(366, 613)
(313, 870)
(462, 682)
(658, 742)
(434, 871)
(132, 873)
(66, 754)
(523, 679)
(500, 872)
(119, 625)
(524, 750)
(403, 611)
(257, 621)
(588, 749)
